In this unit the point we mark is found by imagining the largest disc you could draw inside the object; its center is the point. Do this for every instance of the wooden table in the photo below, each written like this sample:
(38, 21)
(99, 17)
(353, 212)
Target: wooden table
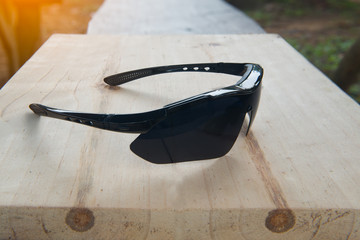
(295, 176)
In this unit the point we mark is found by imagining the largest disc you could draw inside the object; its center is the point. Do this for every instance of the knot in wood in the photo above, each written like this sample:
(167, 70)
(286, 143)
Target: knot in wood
(80, 219)
(280, 220)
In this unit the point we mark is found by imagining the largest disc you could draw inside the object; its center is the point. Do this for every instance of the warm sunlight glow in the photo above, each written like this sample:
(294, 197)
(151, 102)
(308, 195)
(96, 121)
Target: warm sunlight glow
(26, 24)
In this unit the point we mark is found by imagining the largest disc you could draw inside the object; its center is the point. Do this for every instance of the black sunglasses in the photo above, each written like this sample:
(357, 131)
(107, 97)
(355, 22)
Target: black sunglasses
(201, 127)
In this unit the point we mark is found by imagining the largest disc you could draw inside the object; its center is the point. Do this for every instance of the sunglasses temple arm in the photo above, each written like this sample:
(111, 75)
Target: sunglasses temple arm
(237, 69)
(128, 123)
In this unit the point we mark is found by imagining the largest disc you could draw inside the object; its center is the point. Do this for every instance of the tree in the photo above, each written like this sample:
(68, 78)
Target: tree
(348, 71)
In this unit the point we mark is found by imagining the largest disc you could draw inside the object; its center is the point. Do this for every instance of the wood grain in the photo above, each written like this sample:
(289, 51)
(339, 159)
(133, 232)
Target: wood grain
(295, 176)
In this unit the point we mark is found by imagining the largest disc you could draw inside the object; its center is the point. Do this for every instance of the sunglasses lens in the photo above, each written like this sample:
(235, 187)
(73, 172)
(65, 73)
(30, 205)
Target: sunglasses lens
(202, 130)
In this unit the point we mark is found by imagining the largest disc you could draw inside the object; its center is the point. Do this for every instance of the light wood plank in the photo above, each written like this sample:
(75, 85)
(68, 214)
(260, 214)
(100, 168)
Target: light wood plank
(171, 17)
(295, 176)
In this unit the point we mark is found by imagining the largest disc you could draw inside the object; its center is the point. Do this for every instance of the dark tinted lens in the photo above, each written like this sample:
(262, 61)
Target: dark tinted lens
(200, 130)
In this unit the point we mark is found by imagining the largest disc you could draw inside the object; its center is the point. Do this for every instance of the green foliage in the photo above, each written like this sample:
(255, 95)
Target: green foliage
(333, 4)
(265, 18)
(325, 54)
(343, 4)
(324, 50)
(354, 91)
(297, 12)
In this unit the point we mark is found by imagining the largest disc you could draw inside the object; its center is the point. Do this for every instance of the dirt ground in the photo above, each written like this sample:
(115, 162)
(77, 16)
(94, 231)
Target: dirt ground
(314, 27)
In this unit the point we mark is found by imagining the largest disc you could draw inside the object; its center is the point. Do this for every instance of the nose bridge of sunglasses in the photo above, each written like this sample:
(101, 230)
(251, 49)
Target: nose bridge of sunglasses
(251, 79)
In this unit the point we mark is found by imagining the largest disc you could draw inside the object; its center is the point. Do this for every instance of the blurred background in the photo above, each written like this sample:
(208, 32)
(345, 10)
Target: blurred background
(326, 32)
(26, 24)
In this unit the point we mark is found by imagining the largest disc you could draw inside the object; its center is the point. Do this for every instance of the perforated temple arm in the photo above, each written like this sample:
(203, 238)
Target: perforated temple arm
(227, 68)
(129, 123)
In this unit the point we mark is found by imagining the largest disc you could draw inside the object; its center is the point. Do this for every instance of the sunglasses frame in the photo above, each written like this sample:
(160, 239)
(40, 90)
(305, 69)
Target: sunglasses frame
(142, 122)
(247, 88)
